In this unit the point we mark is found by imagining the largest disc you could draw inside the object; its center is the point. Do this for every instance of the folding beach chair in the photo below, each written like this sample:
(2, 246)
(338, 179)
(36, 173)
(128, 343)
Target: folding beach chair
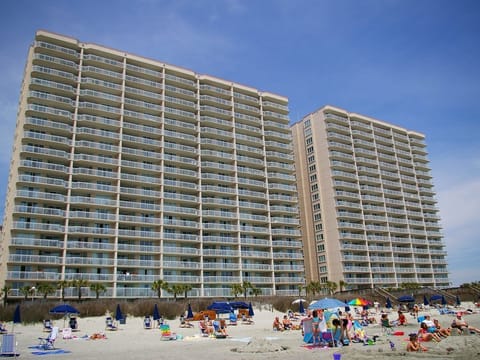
(167, 332)
(147, 322)
(110, 324)
(9, 345)
(48, 343)
(73, 323)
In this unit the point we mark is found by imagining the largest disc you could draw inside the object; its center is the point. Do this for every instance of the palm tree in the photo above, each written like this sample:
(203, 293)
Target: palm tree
(5, 291)
(46, 289)
(331, 287)
(186, 289)
(300, 289)
(62, 284)
(237, 289)
(342, 284)
(158, 286)
(245, 286)
(98, 288)
(79, 283)
(255, 291)
(313, 287)
(176, 289)
(26, 290)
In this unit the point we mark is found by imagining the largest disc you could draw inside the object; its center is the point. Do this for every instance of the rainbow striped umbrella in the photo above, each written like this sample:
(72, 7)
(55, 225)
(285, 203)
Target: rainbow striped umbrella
(359, 302)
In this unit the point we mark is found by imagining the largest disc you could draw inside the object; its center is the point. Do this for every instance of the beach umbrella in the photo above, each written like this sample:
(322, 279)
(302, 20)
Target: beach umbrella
(327, 303)
(444, 301)
(436, 297)
(250, 310)
(406, 298)
(301, 309)
(298, 301)
(425, 301)
(457, 301)
(16, 317)
(156, 313)
(389, 303)
(118, 313)
(189, 312)
(64, 309)
(359, 302)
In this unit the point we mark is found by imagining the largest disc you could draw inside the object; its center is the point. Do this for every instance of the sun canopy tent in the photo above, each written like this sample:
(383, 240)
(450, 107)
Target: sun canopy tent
(238, 305)
(406, 298)
(221, 307)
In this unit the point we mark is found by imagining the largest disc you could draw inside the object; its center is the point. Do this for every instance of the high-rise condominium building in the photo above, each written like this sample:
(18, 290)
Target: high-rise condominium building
(126, 171)
(367, 206)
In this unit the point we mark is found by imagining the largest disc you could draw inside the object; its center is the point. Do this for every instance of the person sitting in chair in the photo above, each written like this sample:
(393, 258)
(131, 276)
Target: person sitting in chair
(185, 323)
(460, 324)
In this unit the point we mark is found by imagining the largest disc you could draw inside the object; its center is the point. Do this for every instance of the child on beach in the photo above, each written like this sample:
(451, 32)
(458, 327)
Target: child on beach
(414, 344)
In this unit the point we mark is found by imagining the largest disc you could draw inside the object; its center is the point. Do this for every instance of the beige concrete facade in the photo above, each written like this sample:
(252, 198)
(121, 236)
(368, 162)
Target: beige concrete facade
(367, 209)
(126, 170)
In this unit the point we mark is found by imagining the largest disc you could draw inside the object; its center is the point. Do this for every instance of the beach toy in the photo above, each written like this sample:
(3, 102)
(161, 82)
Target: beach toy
(337, 356)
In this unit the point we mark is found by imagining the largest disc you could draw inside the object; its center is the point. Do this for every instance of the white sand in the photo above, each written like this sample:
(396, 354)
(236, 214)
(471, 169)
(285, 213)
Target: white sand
(256, 341)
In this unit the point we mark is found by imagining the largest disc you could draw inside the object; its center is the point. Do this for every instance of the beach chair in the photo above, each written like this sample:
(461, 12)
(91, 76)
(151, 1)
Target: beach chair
(73, 323)
(9, 345)
(387, 328)
(48, 343)
(203, 328)
(110, 324)
(359, 333)
(232, 319)
(307, 330)
(167, 333)
(47, 325)
(147, 322)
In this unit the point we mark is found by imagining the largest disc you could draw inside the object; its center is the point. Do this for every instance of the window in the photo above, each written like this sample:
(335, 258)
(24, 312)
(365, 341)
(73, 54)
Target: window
(312, 168)
(311, 159)
(310, 150)
(313, 177)
(309, 141)
(315, 197)
(306, 123)
(314, 187)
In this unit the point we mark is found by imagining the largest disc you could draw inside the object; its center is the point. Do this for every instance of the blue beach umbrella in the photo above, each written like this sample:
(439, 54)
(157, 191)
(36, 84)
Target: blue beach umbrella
(425, 301)
(444, 301)
(250, 310)
(118, 313)
(64, 309)
(189, 312)
(457, 301)
(156, 313)
(327, 303)
(389, 303)
(16, 317)
(301, 309)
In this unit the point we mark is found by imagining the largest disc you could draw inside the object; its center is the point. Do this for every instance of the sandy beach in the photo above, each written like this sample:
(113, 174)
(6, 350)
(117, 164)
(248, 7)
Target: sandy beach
(256, 341)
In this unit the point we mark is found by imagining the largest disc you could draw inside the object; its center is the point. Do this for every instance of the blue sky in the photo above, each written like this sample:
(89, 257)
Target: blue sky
(413, 63)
